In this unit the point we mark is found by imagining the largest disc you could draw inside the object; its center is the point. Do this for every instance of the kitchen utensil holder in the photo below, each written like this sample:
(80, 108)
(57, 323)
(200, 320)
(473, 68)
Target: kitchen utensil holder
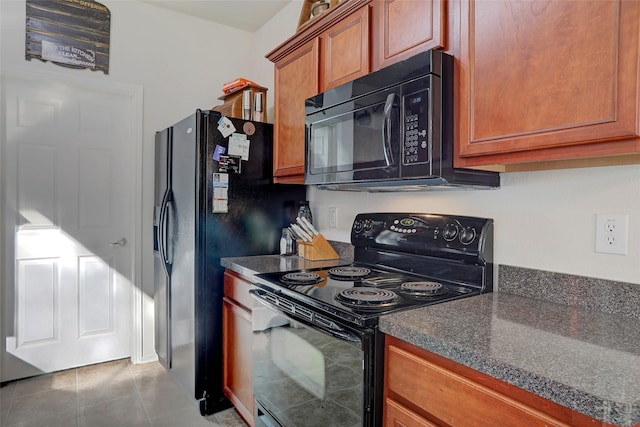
(316, 250)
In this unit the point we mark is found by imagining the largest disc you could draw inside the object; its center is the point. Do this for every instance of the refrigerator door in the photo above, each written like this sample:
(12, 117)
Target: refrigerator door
(257, 210)
(161, 263)
(183, 218)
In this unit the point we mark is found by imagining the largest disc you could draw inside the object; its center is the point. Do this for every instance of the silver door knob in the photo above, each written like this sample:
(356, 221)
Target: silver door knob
(121, 242)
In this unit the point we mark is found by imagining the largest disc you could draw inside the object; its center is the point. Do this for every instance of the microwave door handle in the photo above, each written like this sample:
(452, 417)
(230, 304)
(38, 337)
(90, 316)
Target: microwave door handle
(386, 129)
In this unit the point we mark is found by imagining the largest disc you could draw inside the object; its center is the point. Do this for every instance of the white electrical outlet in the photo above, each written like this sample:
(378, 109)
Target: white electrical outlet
(333, 217)
(611, 234)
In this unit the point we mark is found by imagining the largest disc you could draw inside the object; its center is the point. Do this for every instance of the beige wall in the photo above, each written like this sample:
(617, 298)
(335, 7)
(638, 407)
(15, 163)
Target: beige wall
(543, 220)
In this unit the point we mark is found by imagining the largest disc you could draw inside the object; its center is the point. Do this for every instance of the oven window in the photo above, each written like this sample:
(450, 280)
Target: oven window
(303, 377)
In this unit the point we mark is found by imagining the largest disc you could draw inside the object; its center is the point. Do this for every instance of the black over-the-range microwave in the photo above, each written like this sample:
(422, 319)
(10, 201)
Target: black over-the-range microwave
(389, 130)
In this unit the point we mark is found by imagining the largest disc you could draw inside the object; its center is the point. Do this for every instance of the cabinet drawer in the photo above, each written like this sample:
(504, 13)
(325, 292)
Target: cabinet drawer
(397, 415)
(237, 289)
(453, 399)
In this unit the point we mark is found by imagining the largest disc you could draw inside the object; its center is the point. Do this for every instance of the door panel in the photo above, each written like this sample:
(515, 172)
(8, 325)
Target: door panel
(95, 302)
(38, 305)
(36, 193)
(69, 198)
(94, 208)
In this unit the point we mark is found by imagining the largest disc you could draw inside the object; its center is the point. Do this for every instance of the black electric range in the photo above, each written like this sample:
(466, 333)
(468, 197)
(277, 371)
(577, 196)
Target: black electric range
(317, 348)
(401, 261)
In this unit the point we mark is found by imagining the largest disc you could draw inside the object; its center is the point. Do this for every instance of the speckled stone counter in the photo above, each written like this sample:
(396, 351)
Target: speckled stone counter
(584, 359)
(248, 266)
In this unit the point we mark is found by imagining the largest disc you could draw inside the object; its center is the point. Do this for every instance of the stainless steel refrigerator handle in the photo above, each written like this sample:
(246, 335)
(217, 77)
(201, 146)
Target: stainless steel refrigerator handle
(386, 129)
(166, 266)
(162, 232)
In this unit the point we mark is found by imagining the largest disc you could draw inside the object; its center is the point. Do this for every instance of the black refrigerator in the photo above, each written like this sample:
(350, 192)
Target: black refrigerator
(214, 198)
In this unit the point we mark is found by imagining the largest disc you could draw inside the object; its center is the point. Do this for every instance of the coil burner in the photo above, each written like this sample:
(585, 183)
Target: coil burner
(348, 273)
(363, 297)
(301, 278)
(422, 289)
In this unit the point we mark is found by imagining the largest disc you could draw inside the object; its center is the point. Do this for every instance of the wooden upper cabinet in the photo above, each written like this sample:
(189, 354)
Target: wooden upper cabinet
(547, 80)
(404, 28)
(296, 79)
(345, 50)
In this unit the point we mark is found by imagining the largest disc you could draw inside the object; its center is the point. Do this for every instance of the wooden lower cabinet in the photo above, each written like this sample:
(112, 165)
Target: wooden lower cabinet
(236, 337)
(397, 415)
(424, 389)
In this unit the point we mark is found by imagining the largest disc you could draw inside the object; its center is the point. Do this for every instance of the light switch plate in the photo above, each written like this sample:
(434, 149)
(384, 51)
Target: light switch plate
(333, 217)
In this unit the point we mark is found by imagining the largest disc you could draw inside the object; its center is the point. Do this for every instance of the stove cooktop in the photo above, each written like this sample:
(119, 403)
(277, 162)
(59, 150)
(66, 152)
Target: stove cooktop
(361, 294)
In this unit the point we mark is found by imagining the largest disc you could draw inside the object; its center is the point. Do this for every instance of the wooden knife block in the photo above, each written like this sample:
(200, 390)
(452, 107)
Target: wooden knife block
(316, 250)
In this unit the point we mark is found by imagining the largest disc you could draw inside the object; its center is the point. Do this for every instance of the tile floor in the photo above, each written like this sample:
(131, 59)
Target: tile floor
(113, 394)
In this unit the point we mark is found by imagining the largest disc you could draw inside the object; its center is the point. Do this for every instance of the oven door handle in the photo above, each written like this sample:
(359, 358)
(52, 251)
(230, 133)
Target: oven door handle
(335, 331)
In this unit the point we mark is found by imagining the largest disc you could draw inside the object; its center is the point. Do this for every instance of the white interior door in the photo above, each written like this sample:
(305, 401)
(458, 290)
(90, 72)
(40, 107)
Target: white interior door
(69, 183)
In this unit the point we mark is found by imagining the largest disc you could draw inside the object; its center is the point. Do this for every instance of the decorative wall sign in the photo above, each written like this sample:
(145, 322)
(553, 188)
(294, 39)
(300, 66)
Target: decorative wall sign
(72, 33)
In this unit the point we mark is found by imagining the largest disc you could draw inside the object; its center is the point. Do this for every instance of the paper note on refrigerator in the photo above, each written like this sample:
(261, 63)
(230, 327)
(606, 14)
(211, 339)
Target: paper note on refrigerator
(220, 193)
(239, 146)
(225, 126)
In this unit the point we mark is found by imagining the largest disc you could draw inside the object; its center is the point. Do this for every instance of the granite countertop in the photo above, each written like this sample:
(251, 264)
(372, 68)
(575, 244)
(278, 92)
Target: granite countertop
(251, 265)
(584, 359)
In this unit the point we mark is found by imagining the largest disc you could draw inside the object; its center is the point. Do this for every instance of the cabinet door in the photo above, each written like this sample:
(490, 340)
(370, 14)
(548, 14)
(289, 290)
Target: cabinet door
(345, 50)
(237, 371)
(296, 79)
(405, 28)
(547, 80)
(396, 415)
(439, 392)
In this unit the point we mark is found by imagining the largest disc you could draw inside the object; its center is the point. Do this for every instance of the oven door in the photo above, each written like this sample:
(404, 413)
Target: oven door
(308, 369)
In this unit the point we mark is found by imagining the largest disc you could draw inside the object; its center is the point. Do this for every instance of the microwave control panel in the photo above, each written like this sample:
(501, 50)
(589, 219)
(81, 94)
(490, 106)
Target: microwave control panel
(416, 133)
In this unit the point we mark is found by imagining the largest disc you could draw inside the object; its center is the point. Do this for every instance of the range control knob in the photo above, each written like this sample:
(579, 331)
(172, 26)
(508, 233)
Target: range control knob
(357, 226)
(467, 235)
(450, 232)
(368, 225)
